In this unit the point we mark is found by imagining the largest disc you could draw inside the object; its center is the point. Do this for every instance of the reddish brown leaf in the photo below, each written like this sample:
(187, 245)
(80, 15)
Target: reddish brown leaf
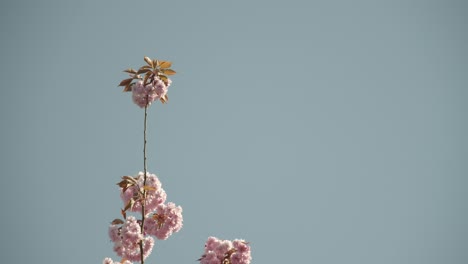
(130, 179)
(117, 222)
(147, 75)
(149, 188)
(129, 204)
(149, 61)
(130, 70)
(164, 99)
(126, 183)
(125, 82)
(122, 184)
(163, 78)
(168, 71)
(128, 88)
(143, 70)
(165, 64)
(124, 214)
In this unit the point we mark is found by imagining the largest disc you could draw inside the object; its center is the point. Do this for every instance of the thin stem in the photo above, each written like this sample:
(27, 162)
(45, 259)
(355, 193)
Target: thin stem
(144, 184)
(144, 143)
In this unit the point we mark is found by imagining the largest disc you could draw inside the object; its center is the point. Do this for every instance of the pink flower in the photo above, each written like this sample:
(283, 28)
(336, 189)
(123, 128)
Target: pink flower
(242, 252)
(135, 255)
(220, 251)
(144, 95)
(160, 87)
(212, 243)
(223, 248)
(127, 239)
(165, 221)
(107, 261)
(210, 258)
(139, 94)
(110, 261)
(131, 231)
(153, 197)
(114, 233)
(148, 244)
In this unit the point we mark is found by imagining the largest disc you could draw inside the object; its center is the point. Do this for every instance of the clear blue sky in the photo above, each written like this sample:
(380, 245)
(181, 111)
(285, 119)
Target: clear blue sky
(321, 131)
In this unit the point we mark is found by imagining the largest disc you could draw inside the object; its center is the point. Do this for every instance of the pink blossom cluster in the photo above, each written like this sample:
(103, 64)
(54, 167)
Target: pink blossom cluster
(110, 261)
(127, 239)
(166, 220)
(219, 251)
(161, 220)
(144, 95)
(154, 197)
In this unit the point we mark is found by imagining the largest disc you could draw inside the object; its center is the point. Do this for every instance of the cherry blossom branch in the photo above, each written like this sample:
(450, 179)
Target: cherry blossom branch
(133, 239)
(143, 213)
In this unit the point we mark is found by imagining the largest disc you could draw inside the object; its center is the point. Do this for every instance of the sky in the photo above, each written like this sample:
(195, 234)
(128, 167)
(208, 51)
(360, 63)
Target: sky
(319, 131)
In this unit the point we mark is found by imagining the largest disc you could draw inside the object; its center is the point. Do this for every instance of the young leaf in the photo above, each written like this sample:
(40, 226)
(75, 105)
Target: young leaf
(149, 61)
(130, 70)
(164, 99)
(125, 82)
(123, 213)
(143, 70)
(165, 64)
(147, 75)
(129, 205)
(164, 79)
(168, 71)
(128, 88)
(155, 62)
(149, 188)
(117, 222)
(122, 184)
(126, 182)
(130, 179)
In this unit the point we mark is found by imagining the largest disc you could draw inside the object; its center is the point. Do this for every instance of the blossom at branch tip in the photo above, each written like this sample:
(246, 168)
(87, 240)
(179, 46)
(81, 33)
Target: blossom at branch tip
(144, 95)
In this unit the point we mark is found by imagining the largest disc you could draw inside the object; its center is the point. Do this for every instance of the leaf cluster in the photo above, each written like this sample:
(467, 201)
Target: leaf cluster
(138, 196)
(153, 69)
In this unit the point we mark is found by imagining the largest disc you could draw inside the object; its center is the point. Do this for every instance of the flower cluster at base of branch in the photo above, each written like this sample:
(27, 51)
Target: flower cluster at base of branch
(161, 220)
(219, 251)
